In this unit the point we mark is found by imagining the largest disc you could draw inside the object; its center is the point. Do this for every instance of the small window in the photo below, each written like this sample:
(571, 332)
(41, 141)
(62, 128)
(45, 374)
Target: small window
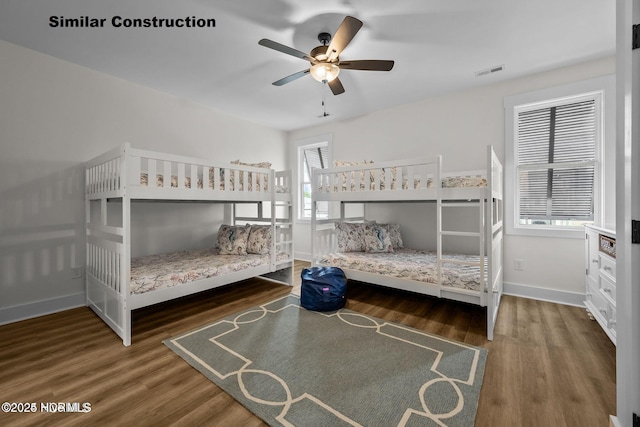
(311, 155)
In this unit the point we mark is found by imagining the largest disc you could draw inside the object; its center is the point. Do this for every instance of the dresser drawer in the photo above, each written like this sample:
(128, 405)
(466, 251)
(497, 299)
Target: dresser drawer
(608, 287)
(592, 255)
(608, 266)
(597, 299)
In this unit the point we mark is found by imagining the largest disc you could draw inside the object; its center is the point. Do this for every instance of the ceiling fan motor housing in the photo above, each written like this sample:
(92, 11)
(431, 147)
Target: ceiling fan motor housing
(319, 52)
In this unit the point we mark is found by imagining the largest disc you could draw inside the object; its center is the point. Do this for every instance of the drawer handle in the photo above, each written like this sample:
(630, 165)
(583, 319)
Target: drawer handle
(594, 260)
(606, 267)
(612, 323)
(603, 311)
(607, 290)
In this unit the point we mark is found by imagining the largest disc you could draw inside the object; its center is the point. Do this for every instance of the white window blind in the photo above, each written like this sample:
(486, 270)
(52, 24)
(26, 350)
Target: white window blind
(556, 162)
(315, 157)
(310, 156)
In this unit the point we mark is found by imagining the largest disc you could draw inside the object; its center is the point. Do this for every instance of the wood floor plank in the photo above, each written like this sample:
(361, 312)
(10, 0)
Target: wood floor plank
(548, 365)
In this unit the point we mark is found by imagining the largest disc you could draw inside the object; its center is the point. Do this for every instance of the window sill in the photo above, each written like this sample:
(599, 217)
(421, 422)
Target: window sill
(563, 233)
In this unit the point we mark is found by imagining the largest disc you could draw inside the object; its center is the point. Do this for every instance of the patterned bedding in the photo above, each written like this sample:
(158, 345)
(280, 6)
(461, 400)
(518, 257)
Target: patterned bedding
(150, 273)
(144, 181)
(411, 264)
(447, 182)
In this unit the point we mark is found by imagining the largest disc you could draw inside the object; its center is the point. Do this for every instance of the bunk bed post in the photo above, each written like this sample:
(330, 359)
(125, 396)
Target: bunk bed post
(438, 183)
(489, 234)
(313, 231)
(230, 213)
(125, 264)
(273, 224)
(482, 237)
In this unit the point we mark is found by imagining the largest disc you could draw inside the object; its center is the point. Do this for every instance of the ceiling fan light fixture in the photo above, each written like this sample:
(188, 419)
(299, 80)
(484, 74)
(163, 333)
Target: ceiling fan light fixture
(325, 71)
(325, 59)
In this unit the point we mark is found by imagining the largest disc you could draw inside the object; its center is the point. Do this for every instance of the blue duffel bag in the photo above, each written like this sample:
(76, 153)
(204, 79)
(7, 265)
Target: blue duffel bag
(323, 288)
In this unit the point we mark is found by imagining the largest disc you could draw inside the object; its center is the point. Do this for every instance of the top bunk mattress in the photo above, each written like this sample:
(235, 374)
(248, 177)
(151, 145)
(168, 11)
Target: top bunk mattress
(412, 264)
(153, 272)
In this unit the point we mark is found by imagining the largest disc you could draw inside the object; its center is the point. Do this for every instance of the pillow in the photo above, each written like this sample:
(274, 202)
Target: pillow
(259, 240)
(393, 230)
(376, 239)
(350, 236)
(232, 240)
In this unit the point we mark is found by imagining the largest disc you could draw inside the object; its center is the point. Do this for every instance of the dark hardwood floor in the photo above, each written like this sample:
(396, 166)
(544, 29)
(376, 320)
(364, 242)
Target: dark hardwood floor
(549, 365)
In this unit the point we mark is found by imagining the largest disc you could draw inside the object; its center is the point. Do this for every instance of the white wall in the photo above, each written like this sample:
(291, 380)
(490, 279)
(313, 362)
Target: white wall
(460, 126)
(54, 116)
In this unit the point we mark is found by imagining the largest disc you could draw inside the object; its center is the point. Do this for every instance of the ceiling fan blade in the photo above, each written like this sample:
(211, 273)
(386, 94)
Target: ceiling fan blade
(336, 86)
(343, 36)
(286, 49)
(367, 64)
(292, 77)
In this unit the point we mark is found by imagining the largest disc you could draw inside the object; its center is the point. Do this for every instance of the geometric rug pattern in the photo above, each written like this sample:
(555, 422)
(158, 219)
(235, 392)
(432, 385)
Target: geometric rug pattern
(294, 367)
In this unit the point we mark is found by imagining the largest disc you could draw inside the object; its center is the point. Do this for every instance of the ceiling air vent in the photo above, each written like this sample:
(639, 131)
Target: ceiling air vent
(490, 70)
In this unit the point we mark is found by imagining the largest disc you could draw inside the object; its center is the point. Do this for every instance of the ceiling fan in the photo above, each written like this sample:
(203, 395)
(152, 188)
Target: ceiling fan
(325, 60)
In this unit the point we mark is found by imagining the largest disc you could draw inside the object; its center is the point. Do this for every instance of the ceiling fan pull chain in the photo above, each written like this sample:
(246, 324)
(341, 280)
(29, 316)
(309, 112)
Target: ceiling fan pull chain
(324, 99)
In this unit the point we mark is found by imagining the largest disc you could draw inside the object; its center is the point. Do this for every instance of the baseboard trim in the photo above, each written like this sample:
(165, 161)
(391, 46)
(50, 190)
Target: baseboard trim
(544, 294)
(41, 308)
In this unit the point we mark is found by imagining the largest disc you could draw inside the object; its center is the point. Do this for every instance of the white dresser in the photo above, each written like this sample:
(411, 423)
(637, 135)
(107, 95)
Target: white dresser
(600, 279)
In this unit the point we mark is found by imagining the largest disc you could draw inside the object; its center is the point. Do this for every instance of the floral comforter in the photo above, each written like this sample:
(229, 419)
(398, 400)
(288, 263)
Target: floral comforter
(411, 264)
(154, 272)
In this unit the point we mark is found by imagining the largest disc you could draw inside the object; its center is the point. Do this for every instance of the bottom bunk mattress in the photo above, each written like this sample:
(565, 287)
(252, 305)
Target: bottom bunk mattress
(412, 264)
(153, 272)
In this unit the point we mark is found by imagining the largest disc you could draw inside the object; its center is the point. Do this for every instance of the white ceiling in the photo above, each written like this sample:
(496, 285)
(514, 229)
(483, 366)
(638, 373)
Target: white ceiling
(437, 45)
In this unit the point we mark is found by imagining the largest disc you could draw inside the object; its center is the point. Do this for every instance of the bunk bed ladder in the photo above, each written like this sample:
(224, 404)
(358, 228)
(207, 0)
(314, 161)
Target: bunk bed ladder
(467, 234)
(494, 238)
(282, 232)
(280, 219)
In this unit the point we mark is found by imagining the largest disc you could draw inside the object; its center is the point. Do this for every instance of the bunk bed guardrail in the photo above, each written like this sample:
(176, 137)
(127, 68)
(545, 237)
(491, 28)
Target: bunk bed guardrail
(392, 178)
(147, 174)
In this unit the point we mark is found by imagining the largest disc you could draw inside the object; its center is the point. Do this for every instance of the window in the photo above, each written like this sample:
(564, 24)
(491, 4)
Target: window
(556, 162)
(554, 159)
(312, 153)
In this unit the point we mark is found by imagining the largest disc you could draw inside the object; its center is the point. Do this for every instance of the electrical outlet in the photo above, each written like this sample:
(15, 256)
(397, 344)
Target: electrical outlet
(518, 264)
(76, 273)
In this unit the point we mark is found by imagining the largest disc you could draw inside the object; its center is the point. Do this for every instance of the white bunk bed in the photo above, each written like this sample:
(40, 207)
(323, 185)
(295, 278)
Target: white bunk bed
(125, 175)
(419, 180)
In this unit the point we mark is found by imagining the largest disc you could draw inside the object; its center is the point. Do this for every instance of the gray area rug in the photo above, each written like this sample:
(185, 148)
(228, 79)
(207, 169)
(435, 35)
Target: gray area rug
(294, 367)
